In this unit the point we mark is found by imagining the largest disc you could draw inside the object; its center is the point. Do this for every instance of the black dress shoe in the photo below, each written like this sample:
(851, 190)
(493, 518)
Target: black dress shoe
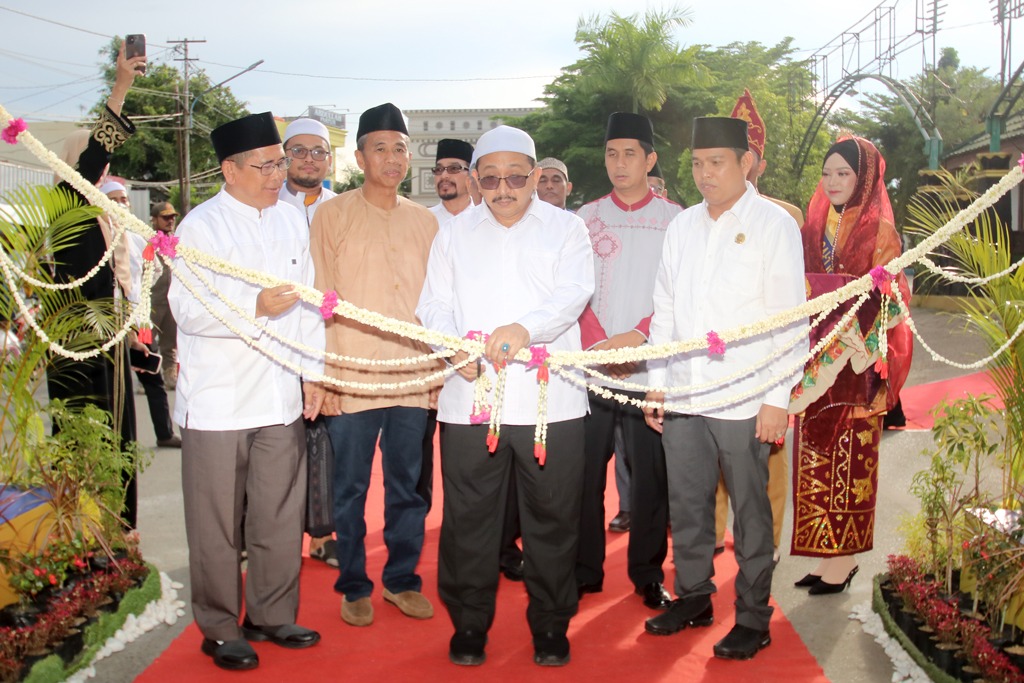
(825, 588)
(719, 549)
(619, 523)
(513, 572)
(655, 596)
(233, 655)
(551, 649)
(584, 588)
(290, 635)
(693, 611)
(807, 581)
(742, 642)
(466, 648)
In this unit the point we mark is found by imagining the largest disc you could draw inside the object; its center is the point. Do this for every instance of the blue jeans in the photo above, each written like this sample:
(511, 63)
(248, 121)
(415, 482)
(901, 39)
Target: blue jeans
(354, 440)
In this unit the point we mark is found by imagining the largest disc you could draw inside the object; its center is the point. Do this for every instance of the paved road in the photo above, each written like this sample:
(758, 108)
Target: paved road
(844, 651)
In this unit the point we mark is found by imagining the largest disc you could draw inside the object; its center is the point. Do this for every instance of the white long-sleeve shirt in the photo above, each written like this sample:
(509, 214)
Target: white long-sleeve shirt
(538, 273)
(298, 200)
(223, 383)
(719, 274)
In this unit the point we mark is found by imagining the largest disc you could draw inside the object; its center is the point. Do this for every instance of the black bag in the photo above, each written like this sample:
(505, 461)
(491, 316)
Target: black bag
(319, 473)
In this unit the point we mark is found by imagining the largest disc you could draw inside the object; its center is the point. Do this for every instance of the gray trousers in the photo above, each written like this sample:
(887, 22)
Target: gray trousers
(219, 472)
(697, 448)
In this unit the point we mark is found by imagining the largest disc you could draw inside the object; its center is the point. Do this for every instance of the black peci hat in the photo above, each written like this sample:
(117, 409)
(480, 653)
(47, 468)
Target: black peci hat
(241, 135)
(719, 131)
(382, 117)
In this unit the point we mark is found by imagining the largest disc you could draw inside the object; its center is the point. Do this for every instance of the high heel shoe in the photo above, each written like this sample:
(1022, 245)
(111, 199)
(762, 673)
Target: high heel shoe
(807, 581)
(825, 588)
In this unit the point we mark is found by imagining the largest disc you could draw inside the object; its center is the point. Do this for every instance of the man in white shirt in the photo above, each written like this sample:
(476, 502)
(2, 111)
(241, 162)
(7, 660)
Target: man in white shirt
(521, 271)
(243, 441)
(307, 142)
(451, 178)
(732, 260)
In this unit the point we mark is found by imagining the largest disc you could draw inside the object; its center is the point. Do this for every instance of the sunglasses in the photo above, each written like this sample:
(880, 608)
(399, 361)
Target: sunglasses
(318, 153)
(514, 182)
(454, 169)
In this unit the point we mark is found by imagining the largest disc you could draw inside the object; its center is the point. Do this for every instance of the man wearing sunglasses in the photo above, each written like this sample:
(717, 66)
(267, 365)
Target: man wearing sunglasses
(308, 144)
(164, 217)
(451, 178)
(243, 446)
(521, 271)
(627, 228)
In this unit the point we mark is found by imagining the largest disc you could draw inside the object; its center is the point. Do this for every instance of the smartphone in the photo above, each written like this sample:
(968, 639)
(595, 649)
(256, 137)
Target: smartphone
(143, 363)
(135, 46)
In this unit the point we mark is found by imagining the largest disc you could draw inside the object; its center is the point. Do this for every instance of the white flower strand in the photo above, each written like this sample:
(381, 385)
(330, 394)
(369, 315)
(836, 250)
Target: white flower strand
(309, 350)
(938, 357)
(953, 277)
(316, 376)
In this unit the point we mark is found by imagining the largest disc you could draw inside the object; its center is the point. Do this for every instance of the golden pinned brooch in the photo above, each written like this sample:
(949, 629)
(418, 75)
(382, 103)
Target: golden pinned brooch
(741, 238)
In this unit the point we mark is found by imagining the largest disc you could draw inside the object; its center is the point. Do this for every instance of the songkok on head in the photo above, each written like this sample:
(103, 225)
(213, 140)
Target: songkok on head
(623, 124)
(112, 186)
(504, 139)
(719, 131)
(746, 109)
(382, 117)
(551, 162)
(450, 148)
(307, 127)
(244, 134)
(655, 171)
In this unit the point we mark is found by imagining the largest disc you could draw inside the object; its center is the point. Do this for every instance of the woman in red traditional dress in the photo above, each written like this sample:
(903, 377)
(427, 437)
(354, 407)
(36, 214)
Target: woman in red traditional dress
(847, 389)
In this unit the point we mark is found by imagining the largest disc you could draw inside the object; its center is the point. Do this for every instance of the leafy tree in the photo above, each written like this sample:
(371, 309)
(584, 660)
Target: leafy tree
(958, 100)
(155, 102)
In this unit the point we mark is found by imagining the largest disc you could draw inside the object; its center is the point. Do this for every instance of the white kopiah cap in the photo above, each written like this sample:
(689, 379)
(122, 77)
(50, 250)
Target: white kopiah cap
(307, 127)
(112, 186)
(504, 139)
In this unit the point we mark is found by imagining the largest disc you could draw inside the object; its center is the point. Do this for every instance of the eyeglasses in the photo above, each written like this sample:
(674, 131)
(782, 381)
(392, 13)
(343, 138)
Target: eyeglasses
(454, 169)
(300, 152)
(281, 165)
(514, 182)
(172, 218)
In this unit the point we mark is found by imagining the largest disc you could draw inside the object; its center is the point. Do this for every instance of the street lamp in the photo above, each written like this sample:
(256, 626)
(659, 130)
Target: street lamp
(186, 181)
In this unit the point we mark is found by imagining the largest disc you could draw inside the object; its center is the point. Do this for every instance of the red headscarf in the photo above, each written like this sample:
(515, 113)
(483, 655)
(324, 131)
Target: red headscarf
(867, 235)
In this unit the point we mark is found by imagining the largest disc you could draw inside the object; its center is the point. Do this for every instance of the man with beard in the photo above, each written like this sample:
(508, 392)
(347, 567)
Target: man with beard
(451, 178)
(308, 144)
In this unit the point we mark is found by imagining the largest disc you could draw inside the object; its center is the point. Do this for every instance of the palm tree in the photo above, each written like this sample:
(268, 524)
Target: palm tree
(638, 57)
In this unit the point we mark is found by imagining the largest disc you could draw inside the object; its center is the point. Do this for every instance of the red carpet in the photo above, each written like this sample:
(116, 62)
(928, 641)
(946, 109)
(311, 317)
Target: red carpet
(919, 400)
(607, 636)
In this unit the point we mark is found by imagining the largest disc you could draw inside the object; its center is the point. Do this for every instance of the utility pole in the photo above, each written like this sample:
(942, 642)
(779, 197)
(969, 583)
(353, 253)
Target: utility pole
(186, 170)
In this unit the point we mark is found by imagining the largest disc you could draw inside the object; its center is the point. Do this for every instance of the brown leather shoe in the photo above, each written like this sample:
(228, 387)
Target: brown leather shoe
(412, 603)
(358, 612)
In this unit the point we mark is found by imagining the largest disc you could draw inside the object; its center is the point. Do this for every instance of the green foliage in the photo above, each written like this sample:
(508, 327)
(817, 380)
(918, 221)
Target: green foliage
(152, 154)
(993, 309)
(957, 98)
(963, 434)
(706, 81)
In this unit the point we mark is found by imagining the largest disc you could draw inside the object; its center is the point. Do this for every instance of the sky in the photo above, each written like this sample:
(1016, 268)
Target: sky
(348, 56)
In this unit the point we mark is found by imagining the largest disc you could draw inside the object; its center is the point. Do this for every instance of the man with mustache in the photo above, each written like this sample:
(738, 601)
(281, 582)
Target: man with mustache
(451, 178)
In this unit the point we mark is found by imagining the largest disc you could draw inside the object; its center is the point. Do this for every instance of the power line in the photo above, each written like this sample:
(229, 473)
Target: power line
(384, 80)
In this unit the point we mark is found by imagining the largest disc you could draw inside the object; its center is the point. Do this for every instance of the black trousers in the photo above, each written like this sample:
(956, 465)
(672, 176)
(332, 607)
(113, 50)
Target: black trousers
(648, 530)
(475, 491)
(156, 397)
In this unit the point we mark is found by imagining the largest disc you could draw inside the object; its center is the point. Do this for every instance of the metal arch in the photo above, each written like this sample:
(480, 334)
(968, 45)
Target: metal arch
(932, 137)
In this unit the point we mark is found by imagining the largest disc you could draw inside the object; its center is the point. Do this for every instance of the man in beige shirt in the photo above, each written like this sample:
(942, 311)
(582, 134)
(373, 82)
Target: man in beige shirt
(370, 245)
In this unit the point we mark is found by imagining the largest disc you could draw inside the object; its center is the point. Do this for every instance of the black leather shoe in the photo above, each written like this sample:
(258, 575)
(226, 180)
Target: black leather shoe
(719, 549)
(513, 572)
(807, 581)
(233, 655)
(584, 588)
(825, 588)
(619, 523)
(290, 635)
(655, 596)
(466, 648)
(693, 611)
(551, 649)
(742, 642)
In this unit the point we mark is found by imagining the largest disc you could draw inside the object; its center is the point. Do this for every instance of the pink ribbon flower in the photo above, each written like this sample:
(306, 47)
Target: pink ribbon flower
(538, 356)
(165, 244)
(327, 307)
(10, 133)
(716, 347)
(882, 279)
